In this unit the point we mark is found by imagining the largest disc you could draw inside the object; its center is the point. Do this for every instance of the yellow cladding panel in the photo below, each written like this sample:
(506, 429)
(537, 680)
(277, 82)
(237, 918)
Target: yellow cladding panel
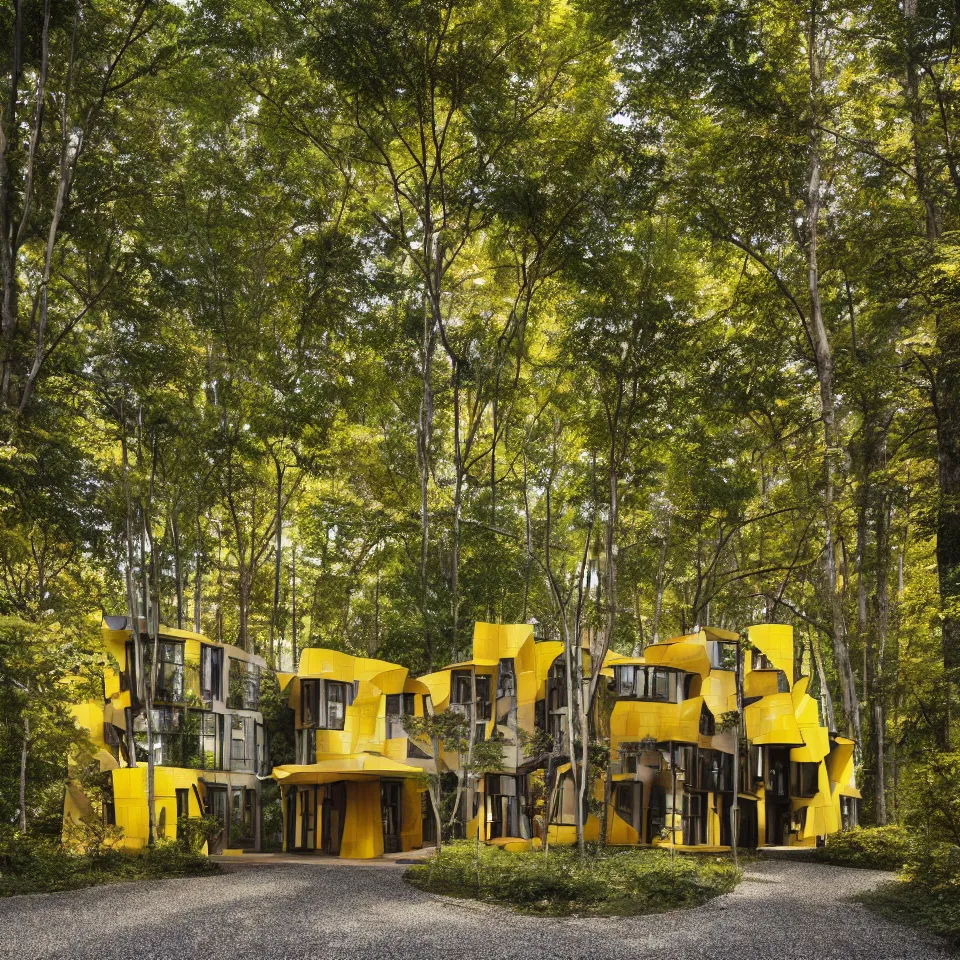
(689, 656)
(547, 654)
(719, 689)
(815, 737)
(772, 721)
(363, 823)
(760, 683)
(775, 642)
(90, 717)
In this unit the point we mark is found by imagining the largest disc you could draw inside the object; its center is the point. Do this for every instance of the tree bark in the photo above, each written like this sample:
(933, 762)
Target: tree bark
(824, 364)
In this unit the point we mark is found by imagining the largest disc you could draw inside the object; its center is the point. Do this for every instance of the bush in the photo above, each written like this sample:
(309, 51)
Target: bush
(871, 848)
(610, 882)
(30, 864)
(927, 893)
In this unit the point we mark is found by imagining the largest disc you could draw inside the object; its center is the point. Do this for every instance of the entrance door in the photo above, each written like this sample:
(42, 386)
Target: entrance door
(291, 818)
(390, 812)
(333, 814)
(308, 818)
(429, 822)
(217, 804)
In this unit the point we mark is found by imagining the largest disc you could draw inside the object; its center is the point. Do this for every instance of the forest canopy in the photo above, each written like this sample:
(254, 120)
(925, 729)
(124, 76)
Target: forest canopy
(349, 324)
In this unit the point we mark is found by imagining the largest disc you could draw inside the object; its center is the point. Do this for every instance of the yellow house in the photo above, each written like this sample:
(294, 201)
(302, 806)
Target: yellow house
(795, 777)
(356, 789)
(208, 739)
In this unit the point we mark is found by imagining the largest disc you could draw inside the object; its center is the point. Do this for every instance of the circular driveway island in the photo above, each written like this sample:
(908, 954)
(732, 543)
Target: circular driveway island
(322, 908)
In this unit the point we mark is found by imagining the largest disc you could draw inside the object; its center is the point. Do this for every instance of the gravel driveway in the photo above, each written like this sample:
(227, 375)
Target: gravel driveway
(324, 909)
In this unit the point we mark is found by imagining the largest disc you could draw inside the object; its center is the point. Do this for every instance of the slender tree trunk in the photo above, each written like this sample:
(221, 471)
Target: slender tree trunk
(198, 579)
(824, 363)
(24, 755)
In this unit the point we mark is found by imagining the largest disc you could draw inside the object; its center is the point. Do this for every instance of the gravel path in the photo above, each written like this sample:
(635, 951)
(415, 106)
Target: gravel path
(781, 910)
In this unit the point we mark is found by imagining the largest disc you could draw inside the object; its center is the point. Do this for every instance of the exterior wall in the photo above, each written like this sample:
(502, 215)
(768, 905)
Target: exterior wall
(129, 781)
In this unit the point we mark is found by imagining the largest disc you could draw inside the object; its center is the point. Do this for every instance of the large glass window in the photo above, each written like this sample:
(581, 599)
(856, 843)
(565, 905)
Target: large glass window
(323, 703)
(336, 697)
(243, 748)
(244, 689)
(645, 683)
(211, 673)
(169, 675)
(309, 702)
(307, 745)
(804, 778)
(399, 705)
(724, 655)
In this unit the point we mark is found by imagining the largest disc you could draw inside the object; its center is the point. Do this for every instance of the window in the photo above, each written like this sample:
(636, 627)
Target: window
(557, 687)
(645, 683)
(708, 723)
(804, 778)
(307, 745)
(323, 703)
(244, 689)
(207, 724)
(657, 812)
(183, 803)
(658, 684)
(461, 684)
(626, 677)
(169, 674)
(336, 701)
(565, 802)
(783, 685)
(242, 743)
(623, 799)
(777, 770)
(760, 661)
(724, 655)
(694, 821)
(109, 809)
(629, 757)
(309, 700)
(399, 705)
(211, 673)
(506, 679)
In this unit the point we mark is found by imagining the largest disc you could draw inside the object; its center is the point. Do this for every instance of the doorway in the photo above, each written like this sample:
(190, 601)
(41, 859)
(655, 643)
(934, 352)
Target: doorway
(217, 805)
(391, 792)
(333, 814)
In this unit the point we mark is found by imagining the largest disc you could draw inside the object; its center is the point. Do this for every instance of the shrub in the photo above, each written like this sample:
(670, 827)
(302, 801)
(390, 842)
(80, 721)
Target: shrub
(871, 848)
(30, 864)
(609, 882)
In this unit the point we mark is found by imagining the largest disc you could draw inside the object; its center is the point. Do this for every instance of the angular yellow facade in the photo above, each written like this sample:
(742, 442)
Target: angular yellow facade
(705, 731)
(357, 788)
(208, 738)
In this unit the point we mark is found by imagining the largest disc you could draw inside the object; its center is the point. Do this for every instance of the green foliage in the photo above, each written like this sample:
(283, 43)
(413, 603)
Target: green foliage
(927, 893)
(30, 864)
(871, 848)
(194, 832)
(610, 882)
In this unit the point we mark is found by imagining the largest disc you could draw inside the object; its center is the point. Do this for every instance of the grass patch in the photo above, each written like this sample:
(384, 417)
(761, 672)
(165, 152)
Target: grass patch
(32, 865)
(917, 905)
(609, 882)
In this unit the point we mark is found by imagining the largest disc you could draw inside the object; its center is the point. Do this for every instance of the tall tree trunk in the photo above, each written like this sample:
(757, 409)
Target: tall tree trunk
(946, 398)
(198, 579)
(24, 755)
(824, 363)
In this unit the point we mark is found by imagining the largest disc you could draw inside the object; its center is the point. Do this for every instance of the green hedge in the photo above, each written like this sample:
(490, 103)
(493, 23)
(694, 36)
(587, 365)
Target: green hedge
(617, 882)
(871, 848)
(40, 865)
